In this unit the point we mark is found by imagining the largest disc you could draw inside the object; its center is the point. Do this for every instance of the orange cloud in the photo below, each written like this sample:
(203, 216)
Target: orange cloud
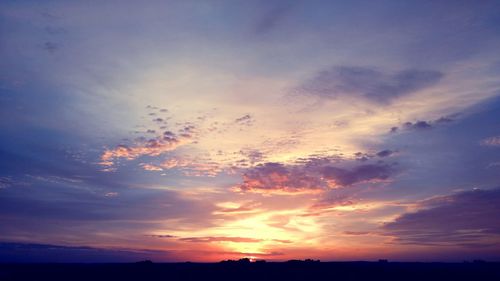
(276, 177)
(149, 167)
(151, 147)
(190, 167)
(229, 208)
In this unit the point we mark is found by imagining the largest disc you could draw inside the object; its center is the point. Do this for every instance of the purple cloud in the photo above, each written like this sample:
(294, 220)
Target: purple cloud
(424, 125)
(369, 83)
(345, 177)
(272, 16)
(468, 218)
(385, 153)
(419, 125)
(31, 252)
(279, 177)
(310, 175)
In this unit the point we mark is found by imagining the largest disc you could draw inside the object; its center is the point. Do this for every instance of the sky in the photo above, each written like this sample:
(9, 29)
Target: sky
(276, 130)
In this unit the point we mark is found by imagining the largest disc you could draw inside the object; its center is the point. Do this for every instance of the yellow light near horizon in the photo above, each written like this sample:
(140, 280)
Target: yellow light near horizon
(261, 227)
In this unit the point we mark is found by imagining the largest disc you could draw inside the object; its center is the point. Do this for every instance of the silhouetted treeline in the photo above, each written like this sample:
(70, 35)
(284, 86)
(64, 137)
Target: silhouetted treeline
(244, 269)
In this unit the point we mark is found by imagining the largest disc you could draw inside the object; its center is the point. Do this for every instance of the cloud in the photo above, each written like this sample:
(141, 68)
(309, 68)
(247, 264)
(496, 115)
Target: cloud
(282, 241)
(230, 208)
(331, 201)
(190, 167)
(220, 239)
(356, 233)
(360, 156)
(150, 167)
(385, 153)
(311, 175)
(174, 163)
(363, 157)
(368, 83)
(420, 125)
(211, 239)
(88, 207)
(5, 182)
(491, 141)
(272, 16)
(50, 47)
(368, 172)
(446, 119)
(253, 155)
(150, 147)
(468, 218)
(31, 252)
(163, 236)
(279, 177)
(201, 169)
(245, 120)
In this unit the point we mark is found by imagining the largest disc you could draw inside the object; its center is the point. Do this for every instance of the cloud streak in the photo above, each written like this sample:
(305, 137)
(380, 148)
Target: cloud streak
(31, 252)
(467, 218)
(211, 239)
(491, 141)
(151, 147)
(368, 83)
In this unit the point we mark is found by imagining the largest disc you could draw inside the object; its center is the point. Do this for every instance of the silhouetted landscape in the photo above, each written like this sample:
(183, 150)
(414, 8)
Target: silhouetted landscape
(259, 270)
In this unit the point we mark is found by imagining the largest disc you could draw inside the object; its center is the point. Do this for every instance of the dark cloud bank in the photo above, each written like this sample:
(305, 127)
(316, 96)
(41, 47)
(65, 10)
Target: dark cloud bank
(468, 219)
(369, 83)
(30, 252)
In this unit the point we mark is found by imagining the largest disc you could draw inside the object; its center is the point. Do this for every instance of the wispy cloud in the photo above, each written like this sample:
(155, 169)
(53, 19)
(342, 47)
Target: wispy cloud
(220, 239)
(491, 141)
(466, 218)
(272, 14)
(369, 83)
(189, 166)
(156, 146)
(421, 125)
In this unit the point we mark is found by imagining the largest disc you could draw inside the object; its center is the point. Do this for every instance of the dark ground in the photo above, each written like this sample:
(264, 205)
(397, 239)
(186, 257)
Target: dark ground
(254, 271)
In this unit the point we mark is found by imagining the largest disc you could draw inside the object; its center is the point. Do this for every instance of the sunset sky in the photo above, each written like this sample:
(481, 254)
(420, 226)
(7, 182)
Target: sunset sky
(276, 130)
